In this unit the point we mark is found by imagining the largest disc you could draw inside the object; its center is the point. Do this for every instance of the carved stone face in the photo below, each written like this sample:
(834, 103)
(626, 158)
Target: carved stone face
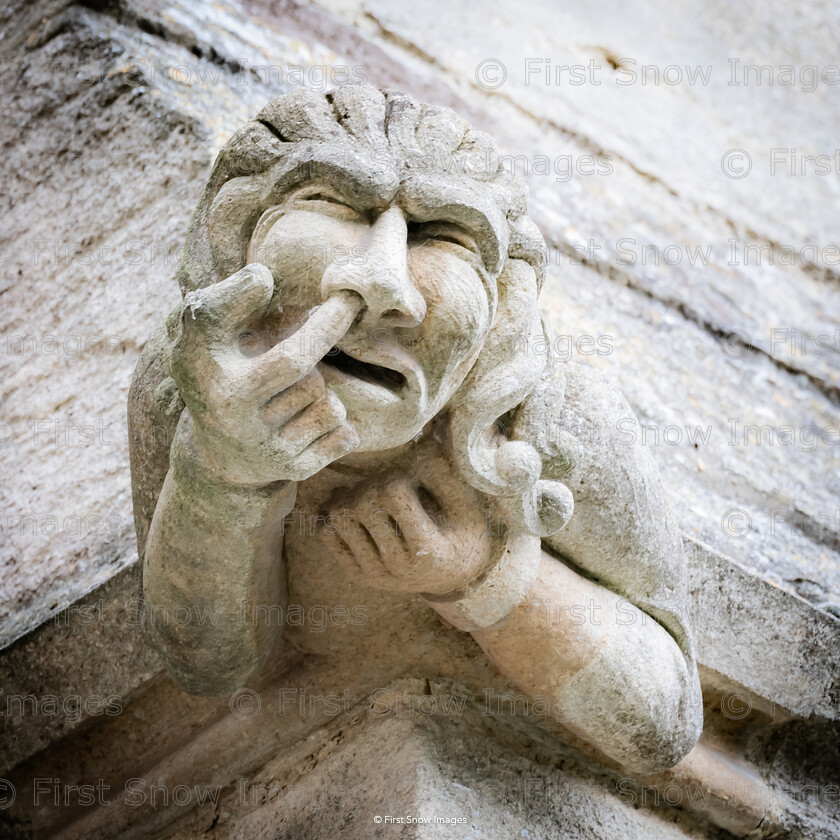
(428, 300)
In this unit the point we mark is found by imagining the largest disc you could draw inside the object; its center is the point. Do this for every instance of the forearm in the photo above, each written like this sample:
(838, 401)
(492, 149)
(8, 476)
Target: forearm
(609, 672)
(154, 407)
(213, 558)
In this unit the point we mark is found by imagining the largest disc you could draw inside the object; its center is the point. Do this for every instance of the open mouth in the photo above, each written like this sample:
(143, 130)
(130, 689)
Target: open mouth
(366, 371)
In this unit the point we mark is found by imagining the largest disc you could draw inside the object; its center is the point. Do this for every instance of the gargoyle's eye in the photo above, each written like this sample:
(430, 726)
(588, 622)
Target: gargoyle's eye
(328, 203)
(321, 196)
(432, 233)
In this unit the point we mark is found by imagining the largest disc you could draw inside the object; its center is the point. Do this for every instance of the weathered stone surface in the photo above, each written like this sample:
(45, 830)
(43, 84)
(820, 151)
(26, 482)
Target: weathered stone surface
(408, 403)
(95, 649)
(739, 621)
(63, 63)
(113, 153)
(231, 767)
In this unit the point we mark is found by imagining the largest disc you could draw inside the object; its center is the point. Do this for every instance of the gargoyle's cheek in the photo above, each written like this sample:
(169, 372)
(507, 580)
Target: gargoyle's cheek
(457, 304)
(446, 346)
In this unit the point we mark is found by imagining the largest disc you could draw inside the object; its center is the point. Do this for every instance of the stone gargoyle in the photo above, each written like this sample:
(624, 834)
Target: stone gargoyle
(360, 341)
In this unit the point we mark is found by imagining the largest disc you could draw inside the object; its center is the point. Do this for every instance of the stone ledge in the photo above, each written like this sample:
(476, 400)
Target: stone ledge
(767, 648)
(296, 774)
(93, 648)
(284, 770)
(437, 768)
(778, 647)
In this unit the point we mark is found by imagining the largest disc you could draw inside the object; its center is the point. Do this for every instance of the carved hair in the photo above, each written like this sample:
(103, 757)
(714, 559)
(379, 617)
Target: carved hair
(501, 416)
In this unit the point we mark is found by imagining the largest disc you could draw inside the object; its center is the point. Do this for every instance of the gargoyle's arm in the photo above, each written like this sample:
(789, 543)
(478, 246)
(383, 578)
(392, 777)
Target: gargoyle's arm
(213, 574)
(252, 427)
(623, 533)
(606, 670)
(153, 412)
(211, 552)
(605, 636)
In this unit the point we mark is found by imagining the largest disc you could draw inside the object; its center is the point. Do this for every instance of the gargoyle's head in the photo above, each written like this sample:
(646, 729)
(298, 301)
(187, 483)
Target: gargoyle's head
(408, 206)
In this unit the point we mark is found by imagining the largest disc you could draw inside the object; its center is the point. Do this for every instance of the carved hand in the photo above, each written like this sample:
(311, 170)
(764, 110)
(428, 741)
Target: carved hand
(428, 533)
(269, 417)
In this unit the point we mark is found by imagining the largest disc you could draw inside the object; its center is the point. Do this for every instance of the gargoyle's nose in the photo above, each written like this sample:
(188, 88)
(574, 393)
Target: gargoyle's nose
(382, 277)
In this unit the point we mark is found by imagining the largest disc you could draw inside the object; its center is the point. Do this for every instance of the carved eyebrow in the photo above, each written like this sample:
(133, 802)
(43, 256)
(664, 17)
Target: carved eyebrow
(310, 176)
(473, 222)
(430, 197)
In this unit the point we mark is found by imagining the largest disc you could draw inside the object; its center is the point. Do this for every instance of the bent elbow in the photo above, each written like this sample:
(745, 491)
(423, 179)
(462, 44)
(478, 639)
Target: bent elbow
(639, 701)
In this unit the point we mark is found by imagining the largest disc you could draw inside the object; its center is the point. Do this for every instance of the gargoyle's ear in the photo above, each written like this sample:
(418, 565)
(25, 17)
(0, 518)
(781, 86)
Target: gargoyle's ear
(537, 420)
